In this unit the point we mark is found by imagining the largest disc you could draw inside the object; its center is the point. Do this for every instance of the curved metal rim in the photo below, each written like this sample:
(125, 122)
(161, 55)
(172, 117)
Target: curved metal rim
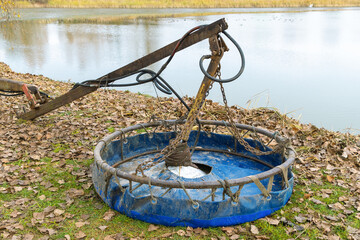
(189, 185)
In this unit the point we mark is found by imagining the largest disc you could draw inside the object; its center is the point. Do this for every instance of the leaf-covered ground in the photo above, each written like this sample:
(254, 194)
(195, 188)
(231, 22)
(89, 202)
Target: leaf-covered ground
(46, 190)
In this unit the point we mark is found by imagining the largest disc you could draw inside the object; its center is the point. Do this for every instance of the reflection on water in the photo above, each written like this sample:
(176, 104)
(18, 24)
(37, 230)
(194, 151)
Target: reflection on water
(307, 61)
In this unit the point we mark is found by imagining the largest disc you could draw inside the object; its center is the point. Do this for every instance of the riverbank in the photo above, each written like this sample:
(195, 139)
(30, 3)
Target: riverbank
(46, 189)
(186, 4)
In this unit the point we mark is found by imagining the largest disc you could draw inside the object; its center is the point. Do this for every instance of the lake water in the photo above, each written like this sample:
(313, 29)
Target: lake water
(304, 62)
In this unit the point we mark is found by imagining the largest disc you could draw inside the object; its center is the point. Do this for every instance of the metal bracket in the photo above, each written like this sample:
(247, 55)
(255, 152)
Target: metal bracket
(27, 89)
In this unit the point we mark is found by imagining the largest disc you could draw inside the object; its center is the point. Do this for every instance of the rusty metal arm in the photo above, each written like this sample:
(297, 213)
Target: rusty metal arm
(203, 33)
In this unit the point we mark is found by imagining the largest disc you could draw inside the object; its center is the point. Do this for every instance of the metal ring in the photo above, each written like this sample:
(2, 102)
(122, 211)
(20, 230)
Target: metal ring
(153, 201)
(195, 205)
(268, 198)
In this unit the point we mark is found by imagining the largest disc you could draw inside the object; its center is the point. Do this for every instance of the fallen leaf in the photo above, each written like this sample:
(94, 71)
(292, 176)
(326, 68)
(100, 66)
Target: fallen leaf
(80, 235)
(330, 178)
(28, 236)
(274, 222)
(307, 195)
(316, 201)
(58, 212)
(262, 237)
(167, 235)
(102, 228)
(18, 189)
(181, 232)
(51, 231)
(234, 237)
(343, 199)
(337, 206)
(39, 215)
(109, 237)
(152, 227)
(85, 216)
(300, 219)
(351, 229)
(204, 232)
(108, 215)
(228, 230)
(332, 218)
(16, 237)
(73, 192)
(254, 229)
(99, 206)
(42, 197)
(49, 209)
(80, 224)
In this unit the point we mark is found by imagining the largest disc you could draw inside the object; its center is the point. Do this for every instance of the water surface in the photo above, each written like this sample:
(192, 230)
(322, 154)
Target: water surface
(303, 62)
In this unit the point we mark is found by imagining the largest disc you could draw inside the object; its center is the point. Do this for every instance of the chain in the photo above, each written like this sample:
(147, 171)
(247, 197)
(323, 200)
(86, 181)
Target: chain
(169, 149)
(236, 133)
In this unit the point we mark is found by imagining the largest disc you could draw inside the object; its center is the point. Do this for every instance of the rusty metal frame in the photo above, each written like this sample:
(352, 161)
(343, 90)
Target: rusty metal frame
(99, 162)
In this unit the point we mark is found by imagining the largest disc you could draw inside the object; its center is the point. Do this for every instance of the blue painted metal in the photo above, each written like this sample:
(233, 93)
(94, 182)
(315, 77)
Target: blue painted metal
(175, 208)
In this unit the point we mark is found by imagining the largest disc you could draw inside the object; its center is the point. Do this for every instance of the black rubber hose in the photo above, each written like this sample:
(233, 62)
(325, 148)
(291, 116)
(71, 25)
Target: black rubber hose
(229, 79)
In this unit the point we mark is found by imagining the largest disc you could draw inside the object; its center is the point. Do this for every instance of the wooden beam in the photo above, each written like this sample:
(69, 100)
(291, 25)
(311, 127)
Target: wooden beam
(203, 33)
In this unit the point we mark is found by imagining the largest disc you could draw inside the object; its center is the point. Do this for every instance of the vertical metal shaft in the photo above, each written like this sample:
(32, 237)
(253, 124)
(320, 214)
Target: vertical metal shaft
(216, 56)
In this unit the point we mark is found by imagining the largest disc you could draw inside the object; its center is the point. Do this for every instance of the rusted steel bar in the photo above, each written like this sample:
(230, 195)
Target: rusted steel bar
(203, 33)
(217, 53)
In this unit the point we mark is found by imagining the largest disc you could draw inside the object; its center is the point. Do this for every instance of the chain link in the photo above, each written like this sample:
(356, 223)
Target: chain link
(169, 149)
(236, 133)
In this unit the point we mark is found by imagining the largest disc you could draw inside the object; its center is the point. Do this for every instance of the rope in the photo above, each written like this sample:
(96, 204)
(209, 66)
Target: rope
(265, 192)
(180, 156)
(153, 199)
(227, 190)
(212, 194)
(272, 138)
(188, 195)
(122, 189)
(285, 174)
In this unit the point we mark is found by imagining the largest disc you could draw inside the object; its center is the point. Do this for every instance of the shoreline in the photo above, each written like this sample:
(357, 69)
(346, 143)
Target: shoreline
(64, 86)
(125, 17)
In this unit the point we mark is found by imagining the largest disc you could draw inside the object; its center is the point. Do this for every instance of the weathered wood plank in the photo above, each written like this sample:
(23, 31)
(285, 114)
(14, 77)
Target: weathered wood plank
(201, 34)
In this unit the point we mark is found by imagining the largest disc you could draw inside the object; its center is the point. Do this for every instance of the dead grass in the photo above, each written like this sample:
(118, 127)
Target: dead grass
(188, 4)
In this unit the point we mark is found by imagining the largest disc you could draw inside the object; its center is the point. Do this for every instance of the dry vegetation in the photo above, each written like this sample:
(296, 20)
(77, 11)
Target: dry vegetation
(46, 190)
(186, 3)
